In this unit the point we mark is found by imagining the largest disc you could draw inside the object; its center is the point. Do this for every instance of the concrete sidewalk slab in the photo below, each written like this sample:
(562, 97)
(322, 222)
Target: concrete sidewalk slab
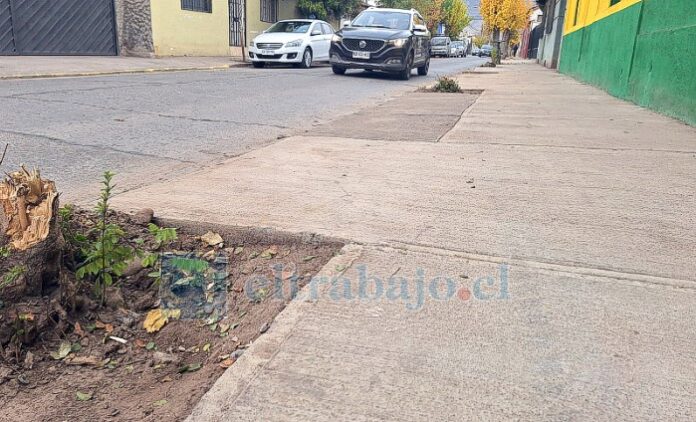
(582, 208)
(556, 110)
(421, 117)
(599, 238)
(545, 347)
(22, 67)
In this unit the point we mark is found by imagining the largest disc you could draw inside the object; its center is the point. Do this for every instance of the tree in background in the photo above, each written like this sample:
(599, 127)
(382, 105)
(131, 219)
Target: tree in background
(502, 18)
(325, 9)
(480, 40)
(432, 11)
(455, 17)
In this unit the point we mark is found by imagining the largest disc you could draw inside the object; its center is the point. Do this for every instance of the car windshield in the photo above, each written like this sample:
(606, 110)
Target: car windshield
(487, 47)
(376, 19)
(297, 27)
(438, 41)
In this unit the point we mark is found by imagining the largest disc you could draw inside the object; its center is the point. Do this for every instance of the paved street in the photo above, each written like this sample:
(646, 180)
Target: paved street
(153, 126)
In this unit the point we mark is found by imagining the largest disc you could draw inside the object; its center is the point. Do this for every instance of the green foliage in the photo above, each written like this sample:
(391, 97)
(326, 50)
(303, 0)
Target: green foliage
(189, 265)
(163, 235)
(66, 215)
(396, 4)
(445, 84)
(325, 9)
(495, 56)
(455, 17)
(5, 252)
(12, 275)
(105, 258)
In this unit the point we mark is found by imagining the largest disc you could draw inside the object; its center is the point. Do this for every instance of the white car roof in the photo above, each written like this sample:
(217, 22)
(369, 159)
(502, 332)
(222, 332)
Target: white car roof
(384, 9)
(302, 20)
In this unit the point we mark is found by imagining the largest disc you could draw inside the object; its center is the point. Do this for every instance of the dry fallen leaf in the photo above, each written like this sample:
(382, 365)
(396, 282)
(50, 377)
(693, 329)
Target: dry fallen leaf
(154, 321)
(83, 396)
(191, 367)
(140, 343)
(78, 330)
(63, 350)
(227, 363)
(212, 239)
(172, 313)
(85, 360)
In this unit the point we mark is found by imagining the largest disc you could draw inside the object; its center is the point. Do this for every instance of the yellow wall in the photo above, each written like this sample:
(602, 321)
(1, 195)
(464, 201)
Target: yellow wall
(590, 11)
(177, 32)
(287, 9)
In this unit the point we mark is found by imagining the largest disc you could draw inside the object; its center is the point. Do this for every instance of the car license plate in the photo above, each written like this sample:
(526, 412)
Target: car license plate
(361, 54)
(267, 52)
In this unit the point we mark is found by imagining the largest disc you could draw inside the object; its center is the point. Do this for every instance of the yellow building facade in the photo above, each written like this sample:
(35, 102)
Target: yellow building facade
(205, 27)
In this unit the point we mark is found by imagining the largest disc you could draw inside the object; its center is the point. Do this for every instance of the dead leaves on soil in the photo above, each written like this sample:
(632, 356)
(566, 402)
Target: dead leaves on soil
(83, 396)
(158, 318)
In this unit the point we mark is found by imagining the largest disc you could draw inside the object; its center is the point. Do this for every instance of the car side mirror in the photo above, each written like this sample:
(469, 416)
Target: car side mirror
(316, 32)
(421, 29)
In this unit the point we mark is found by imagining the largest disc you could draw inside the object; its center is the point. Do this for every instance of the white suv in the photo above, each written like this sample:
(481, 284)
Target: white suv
(297, 41)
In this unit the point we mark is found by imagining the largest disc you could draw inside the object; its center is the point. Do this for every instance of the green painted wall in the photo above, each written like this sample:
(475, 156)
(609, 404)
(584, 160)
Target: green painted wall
(645, 53)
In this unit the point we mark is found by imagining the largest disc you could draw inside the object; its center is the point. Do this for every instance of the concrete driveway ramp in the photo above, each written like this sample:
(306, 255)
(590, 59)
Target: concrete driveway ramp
(430, 116)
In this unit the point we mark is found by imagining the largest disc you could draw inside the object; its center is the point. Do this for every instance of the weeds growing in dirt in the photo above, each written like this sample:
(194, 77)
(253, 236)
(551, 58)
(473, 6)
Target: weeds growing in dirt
(5, 252)
(12, 275)
(164, 236)
(106, 258)
(445, 84)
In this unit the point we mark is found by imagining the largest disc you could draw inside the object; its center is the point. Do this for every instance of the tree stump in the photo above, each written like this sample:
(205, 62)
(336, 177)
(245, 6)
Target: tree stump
(29, 230)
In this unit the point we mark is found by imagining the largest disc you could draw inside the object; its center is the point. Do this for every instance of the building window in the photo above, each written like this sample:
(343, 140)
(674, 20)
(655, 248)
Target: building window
(197, 5)
(613, 2)
(269, 11)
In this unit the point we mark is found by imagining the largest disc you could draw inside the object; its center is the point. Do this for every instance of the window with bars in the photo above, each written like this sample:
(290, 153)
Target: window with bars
(197, 5)
(269, 11)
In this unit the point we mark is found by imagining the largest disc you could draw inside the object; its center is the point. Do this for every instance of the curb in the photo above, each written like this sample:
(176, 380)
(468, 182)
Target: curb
(122, 72)
(215, 404)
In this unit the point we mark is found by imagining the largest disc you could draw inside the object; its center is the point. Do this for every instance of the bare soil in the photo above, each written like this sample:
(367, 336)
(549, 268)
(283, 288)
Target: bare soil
(158, 376)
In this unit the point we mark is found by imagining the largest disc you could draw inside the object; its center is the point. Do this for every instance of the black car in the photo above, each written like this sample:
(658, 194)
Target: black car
(390, 40)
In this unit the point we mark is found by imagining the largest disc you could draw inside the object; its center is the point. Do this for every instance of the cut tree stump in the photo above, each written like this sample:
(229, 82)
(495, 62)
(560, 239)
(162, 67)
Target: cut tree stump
(29, 229)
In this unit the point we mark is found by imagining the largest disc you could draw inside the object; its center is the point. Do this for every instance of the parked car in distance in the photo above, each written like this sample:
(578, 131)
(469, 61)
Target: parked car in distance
(389, 40)
(440, 46)
(475, 51)
(486, 50)
(458, 49)
(298, 41)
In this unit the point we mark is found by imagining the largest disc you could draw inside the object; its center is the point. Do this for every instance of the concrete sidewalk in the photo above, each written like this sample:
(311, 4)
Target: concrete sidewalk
(21, 67)
(540, 252)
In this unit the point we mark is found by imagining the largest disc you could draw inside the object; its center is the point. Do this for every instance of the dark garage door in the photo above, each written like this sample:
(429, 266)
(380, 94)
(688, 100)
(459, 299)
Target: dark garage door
(57, 27)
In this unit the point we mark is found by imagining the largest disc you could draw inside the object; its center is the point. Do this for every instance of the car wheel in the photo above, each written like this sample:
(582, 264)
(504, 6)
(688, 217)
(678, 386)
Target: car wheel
(306, 62)
(405, 74)
(258, 64)
(423, 70)
(338, 70)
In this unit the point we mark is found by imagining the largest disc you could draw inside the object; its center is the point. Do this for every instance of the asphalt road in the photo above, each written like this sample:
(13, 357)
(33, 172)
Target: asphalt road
(147, 127)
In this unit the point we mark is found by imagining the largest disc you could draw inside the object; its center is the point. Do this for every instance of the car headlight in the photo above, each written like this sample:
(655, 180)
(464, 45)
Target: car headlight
(399, 42)
(336, 38)
(295, 43)
(251, 44)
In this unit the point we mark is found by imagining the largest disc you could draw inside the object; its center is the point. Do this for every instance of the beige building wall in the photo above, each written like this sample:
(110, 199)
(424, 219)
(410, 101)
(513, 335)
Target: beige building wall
(177, 32)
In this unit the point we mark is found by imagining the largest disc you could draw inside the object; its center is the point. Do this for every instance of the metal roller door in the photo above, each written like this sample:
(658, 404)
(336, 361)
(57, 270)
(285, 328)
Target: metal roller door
(57, 27)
